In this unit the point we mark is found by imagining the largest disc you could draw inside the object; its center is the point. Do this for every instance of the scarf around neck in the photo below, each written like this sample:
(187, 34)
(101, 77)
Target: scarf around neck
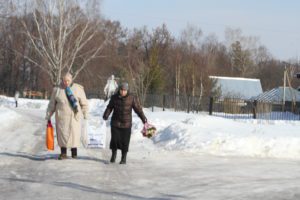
(71, 98)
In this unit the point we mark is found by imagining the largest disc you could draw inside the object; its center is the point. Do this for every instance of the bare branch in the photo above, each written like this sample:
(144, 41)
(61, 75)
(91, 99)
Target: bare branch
(60, 39)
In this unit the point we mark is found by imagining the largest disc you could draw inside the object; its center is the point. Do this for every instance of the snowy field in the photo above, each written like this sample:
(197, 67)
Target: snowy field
(194, 156)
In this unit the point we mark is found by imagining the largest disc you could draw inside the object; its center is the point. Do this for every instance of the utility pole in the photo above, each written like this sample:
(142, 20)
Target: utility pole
(284, 80)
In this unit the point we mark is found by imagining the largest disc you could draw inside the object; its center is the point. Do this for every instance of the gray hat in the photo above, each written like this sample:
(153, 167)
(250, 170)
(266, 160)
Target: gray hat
(124, 86)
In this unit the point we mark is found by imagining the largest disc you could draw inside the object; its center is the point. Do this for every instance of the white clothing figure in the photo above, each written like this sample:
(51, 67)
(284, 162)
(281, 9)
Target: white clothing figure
(110, 87)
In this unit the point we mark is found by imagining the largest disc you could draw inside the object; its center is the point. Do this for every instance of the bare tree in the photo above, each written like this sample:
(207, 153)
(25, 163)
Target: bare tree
(63, 37)
(191, 43)
(141, 79)
(242, 50)
(136, 68)
(146, 60)
(7, 7)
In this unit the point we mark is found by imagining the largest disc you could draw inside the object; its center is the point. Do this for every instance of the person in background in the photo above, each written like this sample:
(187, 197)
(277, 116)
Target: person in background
(69, 103)
(17, 94)
(121, 104)
(110, 87)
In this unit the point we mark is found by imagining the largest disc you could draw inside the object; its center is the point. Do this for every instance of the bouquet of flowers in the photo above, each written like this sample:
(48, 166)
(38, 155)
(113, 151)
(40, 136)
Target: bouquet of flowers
(148, 130)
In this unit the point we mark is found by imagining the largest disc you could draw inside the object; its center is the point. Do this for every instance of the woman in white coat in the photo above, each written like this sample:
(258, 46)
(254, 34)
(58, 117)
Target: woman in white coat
(69, 104)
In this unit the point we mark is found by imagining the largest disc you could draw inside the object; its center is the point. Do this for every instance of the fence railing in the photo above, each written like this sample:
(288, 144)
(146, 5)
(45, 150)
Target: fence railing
(224, 107)
(171, 102)
(239, 108)
(35, 94)
(177, 103)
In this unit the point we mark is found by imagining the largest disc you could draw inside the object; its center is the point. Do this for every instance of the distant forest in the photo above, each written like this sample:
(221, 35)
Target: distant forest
(41, 40)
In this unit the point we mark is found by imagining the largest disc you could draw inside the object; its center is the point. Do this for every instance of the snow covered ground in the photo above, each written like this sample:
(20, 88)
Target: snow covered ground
(194, 156)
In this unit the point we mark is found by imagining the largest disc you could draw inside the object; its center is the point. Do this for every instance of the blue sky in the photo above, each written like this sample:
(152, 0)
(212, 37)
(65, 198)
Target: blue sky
(275, 22)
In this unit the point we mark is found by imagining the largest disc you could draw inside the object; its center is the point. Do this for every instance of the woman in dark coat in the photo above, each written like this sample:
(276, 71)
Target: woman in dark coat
(121, 104)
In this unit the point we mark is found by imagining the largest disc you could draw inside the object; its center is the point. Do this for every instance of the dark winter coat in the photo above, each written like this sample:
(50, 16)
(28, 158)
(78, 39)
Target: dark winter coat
(122, 110)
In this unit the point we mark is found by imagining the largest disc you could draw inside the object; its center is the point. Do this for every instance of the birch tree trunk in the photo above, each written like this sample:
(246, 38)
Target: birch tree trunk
(63, 37)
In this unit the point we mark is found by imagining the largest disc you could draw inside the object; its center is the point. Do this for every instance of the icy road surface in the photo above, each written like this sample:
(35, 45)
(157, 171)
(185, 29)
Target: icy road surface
(28, 171)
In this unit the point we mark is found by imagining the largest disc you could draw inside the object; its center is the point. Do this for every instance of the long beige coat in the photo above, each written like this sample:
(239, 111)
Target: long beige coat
(68, 124)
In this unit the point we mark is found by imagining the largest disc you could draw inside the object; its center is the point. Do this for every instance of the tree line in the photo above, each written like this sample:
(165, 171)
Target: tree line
(40, 40)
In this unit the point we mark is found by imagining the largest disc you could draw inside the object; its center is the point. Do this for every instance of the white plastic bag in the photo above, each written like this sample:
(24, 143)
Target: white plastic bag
(84, 133)
(94, 136)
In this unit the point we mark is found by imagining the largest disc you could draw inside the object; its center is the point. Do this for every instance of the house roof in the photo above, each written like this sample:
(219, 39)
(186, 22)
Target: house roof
(244, 88)
(276, 95)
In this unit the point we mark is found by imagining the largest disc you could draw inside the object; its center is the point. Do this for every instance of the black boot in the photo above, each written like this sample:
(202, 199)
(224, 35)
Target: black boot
(113, 156)
(123, 159)
(63, 154)
(74, 152)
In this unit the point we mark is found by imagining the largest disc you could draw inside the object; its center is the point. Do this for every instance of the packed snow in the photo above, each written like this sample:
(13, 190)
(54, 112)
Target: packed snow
(197, 133)
(193, 156)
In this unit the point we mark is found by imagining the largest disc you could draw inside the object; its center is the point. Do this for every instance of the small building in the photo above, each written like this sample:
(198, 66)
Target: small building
(233, 87)
(279, 94)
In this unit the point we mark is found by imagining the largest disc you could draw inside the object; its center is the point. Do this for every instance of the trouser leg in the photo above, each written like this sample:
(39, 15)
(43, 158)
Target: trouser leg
(63, 154)
(113, 155)
(63, 150)
(74, 152)
(123, 159)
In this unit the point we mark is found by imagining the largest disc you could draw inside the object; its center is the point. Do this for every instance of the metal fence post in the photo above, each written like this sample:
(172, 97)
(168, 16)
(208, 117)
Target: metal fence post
(254, 109)
(188, 101)
(152, 101)
(211, 102)
(164, 102)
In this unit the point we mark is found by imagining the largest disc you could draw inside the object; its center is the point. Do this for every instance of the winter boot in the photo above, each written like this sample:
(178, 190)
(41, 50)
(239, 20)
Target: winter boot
(113, 156)
(74, 152)
(63, 154)
(123, 159)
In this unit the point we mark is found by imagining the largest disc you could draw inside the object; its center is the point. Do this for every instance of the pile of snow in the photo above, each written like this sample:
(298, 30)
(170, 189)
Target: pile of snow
(196, 133)
(218, 136)
(23, 103)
